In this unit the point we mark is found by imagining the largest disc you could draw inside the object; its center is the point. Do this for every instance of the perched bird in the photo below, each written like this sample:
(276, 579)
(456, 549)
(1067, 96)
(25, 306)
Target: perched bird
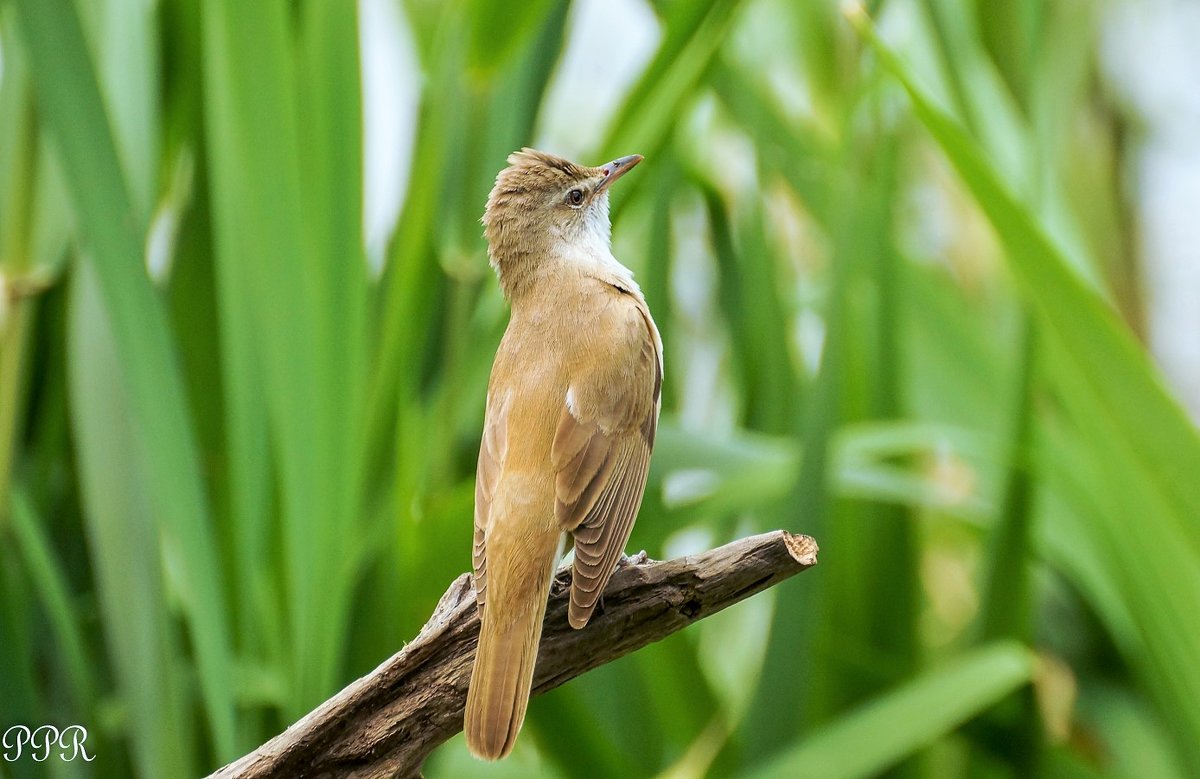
(572, 408)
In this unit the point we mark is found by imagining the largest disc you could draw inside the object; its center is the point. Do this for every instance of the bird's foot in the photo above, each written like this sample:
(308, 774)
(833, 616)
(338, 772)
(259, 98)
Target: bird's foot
(641, 558)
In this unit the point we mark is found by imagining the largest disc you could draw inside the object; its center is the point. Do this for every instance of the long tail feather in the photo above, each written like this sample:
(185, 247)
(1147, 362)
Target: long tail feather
(509, 635)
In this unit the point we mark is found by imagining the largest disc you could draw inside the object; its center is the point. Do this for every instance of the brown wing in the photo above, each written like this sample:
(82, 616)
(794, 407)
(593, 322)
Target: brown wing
(491, 454)
(601, 455)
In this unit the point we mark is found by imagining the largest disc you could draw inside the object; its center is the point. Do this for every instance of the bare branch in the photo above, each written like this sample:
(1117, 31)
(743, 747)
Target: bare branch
(386, 723)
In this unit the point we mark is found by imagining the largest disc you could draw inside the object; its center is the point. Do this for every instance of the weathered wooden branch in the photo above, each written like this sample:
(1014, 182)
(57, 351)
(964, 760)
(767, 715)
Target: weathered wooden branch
(387, 722)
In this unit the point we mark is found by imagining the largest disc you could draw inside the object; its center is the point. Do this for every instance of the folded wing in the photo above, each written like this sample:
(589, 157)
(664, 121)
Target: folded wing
(601, 455)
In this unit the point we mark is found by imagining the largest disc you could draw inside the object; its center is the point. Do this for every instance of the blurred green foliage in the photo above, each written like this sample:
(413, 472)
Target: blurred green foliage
(899, 313)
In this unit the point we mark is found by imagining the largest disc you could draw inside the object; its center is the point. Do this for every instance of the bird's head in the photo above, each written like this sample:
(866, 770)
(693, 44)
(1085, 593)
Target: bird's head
(542, 205)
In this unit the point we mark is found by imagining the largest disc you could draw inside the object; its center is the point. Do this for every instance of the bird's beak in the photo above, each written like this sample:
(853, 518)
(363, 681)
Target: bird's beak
(616, 169)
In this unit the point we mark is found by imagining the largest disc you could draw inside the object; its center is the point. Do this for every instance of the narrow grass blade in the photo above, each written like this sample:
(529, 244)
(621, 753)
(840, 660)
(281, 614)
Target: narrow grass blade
(694, 35)
(799, 152)
(17, 155)
(1006, 592)
(124, 37)
(760, 327)
(49, 580)
(19, 696)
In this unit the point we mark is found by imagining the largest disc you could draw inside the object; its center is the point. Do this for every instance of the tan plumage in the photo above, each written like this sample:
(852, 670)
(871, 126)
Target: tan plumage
(572, 409)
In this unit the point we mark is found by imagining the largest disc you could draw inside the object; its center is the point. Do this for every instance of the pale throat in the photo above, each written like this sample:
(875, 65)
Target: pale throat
(589, 249)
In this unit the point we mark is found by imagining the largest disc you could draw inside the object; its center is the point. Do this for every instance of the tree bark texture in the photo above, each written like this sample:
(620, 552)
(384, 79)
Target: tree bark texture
(386, 723)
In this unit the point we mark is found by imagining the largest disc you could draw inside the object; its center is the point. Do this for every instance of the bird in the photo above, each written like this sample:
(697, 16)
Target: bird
(569, 423)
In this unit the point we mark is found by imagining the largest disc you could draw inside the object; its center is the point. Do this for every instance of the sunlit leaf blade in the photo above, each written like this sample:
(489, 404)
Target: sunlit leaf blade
(1153, 632)
(124, 545)
(296, 268)
(876, 736)
(331, 171)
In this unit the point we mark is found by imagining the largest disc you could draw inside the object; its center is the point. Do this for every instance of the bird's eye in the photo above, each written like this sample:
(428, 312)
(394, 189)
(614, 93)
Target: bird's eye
(575, 197)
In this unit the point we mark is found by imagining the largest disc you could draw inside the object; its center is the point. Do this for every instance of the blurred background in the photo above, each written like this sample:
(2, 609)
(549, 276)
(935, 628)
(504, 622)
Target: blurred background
(928, 278)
